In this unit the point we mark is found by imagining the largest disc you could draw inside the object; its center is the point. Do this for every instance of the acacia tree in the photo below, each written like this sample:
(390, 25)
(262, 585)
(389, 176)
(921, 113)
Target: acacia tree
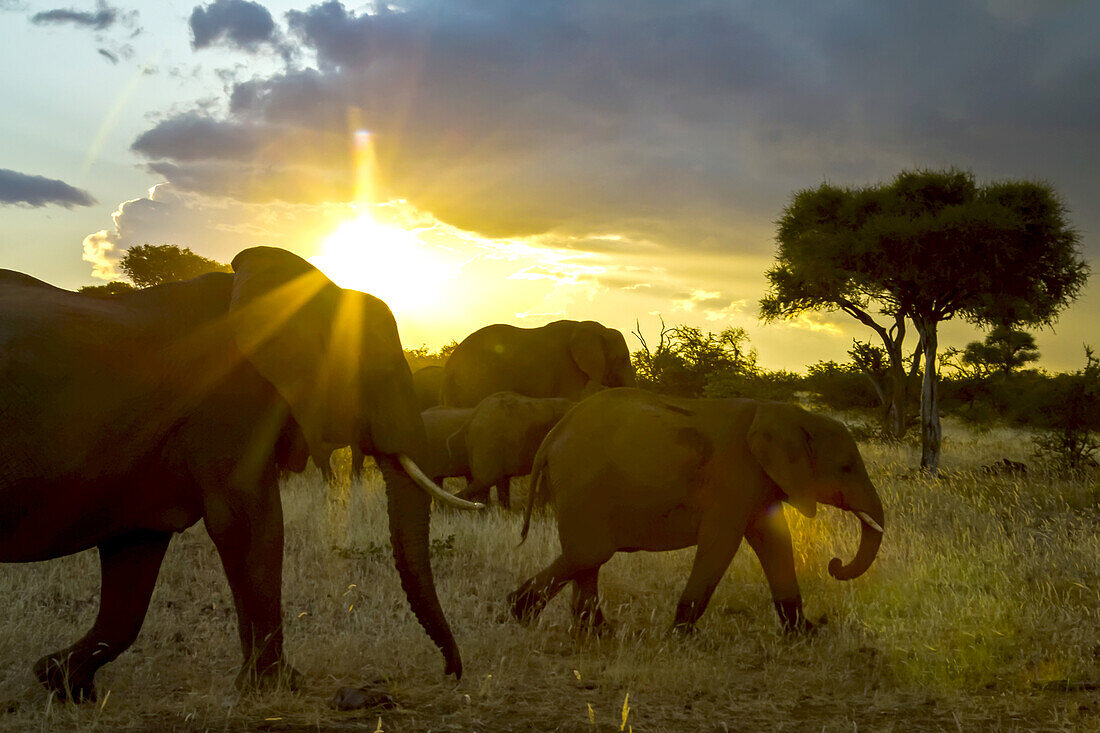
(153, 264)
(1004, 350)
(928, 246)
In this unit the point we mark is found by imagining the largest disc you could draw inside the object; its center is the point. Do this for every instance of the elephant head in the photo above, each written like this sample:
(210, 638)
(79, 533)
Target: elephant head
(335, 356)
(814, 459)
(601, 353)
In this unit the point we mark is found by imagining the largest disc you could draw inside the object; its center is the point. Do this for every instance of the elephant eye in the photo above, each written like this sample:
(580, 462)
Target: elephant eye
(847, 468)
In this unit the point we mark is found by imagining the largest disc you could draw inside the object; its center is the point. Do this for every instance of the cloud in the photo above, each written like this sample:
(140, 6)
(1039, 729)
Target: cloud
(104, 17)
(36, 191)
(107, 55)
(712, 305)
(238, 23)
(214, 227)
(193, 137)
(670, 123)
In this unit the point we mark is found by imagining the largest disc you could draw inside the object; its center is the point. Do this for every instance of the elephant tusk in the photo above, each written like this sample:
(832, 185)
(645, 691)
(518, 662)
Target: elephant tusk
(431, 488)
(870, 522)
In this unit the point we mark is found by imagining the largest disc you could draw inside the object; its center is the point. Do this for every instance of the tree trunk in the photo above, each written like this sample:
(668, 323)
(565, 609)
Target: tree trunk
(896, 409)
(931, 432)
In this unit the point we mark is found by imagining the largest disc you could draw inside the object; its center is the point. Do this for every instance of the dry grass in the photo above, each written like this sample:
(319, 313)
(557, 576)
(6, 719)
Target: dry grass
(983, 610)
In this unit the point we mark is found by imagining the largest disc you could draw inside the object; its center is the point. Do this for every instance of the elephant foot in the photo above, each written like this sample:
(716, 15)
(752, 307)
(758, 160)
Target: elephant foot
(806, 627)
(277, 676)
(687, 614)
(793, 620)
(67, 682)
(682, 628)
(525, 604)
(587, 625)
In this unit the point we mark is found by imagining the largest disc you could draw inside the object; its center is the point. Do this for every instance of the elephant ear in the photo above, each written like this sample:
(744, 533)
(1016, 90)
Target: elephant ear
(586, 348)
(784, 448)
(282, 311)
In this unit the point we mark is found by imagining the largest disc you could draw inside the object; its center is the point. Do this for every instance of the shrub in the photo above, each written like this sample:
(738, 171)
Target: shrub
(1068, 416)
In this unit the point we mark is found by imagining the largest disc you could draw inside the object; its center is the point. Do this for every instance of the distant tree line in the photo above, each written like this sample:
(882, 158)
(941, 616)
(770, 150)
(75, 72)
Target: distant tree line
(422, 356)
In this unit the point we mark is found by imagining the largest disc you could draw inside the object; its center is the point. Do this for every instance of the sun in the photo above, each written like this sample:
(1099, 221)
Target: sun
(388, 262)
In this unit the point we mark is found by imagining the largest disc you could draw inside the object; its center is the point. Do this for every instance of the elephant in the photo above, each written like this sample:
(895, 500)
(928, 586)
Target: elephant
(631, 470)
(490, 443)
(428, 382)
(125, 420)
(568, 359)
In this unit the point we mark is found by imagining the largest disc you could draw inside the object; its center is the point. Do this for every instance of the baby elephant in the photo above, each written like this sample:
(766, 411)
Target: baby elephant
(631, 470)
(492, 442)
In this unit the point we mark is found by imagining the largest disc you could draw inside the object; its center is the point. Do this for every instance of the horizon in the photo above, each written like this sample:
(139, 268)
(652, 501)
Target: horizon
(521, 164)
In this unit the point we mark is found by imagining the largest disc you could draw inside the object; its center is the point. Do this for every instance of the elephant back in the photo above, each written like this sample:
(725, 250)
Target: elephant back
(560, 359)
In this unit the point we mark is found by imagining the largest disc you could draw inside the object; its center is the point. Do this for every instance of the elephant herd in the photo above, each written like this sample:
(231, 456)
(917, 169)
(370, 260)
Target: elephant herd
(128, 419)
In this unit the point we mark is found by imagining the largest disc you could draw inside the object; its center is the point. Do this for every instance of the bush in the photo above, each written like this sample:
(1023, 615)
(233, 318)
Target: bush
(422, 356)
(841, 386)
(686, 359)
(763, 385)
(1068, 416)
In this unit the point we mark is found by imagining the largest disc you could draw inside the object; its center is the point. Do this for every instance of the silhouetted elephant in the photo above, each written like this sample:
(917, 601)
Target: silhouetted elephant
(490, 443)
(428, 383)
(631, 470)
(568, 359)
(125, 420)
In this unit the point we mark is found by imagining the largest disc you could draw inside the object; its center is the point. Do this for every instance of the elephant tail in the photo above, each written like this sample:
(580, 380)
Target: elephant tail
(538, 480)
(460, 436)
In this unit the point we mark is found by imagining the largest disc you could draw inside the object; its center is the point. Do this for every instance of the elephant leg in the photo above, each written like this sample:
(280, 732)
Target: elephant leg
(719, 538)
(527, 601)
(770, 538)
(128, 570)
(247, 529)
(504, 493)
(586, 600)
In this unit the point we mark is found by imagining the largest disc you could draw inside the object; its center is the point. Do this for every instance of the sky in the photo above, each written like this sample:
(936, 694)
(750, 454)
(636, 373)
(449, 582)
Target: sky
(520, 161)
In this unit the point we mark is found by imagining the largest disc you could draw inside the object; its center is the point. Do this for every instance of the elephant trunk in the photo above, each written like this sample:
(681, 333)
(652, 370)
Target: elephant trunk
(871, 525)
(409, 516)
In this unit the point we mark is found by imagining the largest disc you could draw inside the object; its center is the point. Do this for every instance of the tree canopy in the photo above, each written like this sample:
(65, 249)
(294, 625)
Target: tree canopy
(928, 246)
(153, 264)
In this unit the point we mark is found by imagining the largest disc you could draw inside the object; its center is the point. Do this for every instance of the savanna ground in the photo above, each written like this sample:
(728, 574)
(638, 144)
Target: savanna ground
(982, 612)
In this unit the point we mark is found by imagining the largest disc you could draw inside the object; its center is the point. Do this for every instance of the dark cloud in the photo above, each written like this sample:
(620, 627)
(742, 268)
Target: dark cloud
(240, 23)
(27, 190)
(104, 17)
(191, 137)
(107, 55)
(676, 121)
